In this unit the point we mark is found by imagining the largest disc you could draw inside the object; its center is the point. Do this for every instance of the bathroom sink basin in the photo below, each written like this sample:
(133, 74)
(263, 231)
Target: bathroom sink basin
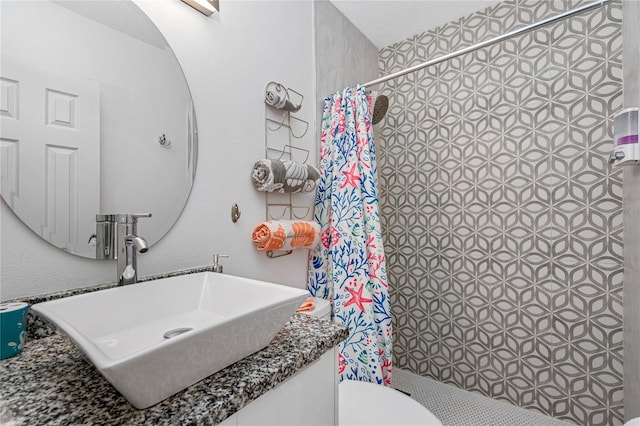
(153, 339)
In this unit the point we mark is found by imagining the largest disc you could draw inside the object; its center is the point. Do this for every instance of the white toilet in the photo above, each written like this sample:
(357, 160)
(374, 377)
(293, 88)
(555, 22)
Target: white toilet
(391, 406)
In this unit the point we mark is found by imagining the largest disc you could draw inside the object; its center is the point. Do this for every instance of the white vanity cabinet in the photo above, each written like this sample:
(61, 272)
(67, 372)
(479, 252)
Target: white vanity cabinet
(308, 398)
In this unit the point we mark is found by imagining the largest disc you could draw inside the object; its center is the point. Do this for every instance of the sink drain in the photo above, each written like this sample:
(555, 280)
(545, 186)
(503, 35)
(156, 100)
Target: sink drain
(176, 332)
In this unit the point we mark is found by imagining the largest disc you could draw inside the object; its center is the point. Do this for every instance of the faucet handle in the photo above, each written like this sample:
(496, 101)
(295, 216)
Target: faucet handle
(217, 266)
(124, 218)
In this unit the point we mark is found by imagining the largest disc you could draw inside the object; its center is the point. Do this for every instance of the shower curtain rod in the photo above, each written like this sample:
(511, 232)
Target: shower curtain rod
(489, 42)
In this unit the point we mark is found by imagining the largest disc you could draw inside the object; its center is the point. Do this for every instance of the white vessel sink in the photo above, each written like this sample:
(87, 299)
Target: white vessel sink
(153, 339)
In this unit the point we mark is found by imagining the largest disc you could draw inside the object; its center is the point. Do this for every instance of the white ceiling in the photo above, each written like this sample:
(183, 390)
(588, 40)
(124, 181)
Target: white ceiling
(385, 22)
(121, 16)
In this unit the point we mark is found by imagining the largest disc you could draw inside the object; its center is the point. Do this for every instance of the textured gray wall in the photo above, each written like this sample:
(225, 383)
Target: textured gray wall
(502, 217)
(344, 56)
(631, 219)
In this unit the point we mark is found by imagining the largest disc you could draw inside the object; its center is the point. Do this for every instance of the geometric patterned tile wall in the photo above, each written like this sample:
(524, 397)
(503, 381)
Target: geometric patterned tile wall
(502, 217)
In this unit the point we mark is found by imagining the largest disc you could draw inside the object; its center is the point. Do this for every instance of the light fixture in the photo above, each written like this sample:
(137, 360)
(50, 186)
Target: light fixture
(204, 6)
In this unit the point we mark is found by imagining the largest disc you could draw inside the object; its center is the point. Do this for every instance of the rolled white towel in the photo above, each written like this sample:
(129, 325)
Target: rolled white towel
(277, 97)
(284, 176)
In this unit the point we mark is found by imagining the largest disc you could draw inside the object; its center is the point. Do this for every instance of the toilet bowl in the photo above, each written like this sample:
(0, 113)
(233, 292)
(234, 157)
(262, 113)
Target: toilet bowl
(369, 404)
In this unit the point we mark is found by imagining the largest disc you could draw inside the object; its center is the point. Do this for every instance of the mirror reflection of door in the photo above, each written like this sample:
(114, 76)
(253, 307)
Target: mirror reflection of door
(50, 139)
(99, 63)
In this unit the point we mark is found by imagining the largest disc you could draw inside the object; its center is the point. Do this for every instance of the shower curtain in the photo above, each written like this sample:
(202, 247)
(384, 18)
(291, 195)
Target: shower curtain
(348, 268)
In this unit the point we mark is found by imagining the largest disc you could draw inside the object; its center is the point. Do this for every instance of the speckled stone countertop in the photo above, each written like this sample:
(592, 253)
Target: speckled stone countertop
(51, 382)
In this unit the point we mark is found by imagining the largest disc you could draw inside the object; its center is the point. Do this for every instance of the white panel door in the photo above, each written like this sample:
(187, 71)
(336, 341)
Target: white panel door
(50, 147)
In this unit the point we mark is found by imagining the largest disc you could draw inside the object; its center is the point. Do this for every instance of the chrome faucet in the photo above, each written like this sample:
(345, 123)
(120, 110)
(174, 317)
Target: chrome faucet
(117, 239)
(128, 245)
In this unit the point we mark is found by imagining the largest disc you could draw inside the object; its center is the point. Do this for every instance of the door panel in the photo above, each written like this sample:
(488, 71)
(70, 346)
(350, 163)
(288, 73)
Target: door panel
(50, 141)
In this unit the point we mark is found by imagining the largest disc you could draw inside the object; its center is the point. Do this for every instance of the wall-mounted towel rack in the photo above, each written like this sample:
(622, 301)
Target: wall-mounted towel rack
(281, 130)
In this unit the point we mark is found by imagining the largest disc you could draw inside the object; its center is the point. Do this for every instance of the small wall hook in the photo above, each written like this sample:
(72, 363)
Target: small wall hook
(163, 141)
(235, 213)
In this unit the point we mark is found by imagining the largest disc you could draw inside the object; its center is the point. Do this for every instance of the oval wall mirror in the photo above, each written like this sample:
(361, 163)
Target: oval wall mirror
(96, 118)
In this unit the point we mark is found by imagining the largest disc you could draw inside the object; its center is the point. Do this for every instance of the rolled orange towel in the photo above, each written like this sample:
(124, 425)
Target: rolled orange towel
(286, 235)
(307, 305)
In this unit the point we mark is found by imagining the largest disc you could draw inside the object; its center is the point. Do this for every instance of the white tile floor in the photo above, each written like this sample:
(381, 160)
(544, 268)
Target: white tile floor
(458, 407)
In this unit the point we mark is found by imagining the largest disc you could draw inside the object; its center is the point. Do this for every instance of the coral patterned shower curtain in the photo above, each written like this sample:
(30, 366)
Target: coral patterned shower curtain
(349, 266)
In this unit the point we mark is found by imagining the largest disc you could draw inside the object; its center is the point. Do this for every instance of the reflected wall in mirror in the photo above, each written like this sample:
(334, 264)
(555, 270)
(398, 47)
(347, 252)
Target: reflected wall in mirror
(96, 118)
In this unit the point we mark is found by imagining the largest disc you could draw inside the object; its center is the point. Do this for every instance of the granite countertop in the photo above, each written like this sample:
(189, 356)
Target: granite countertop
(51, 382)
